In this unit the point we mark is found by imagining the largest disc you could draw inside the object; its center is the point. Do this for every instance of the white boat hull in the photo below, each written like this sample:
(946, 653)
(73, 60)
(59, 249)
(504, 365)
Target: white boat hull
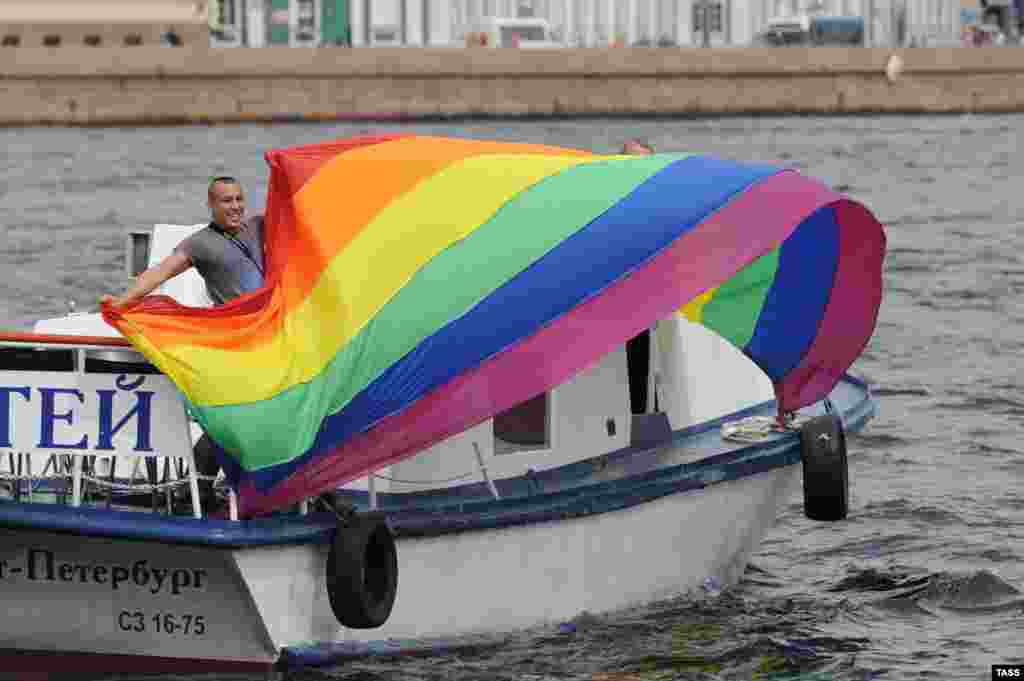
(245, 605)
(527, 575)
(112, 598)
(599, 535)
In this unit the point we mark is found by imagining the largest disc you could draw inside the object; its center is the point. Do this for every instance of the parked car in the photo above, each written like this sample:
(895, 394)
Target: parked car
(813, 30)
(521, 32)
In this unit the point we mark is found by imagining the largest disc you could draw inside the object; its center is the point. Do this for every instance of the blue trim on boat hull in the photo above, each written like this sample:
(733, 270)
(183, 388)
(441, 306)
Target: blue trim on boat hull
(566, 492)
(332, 652)
(604, 497)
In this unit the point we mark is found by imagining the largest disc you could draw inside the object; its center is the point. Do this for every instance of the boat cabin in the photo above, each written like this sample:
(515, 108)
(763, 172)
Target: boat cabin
(672, 376)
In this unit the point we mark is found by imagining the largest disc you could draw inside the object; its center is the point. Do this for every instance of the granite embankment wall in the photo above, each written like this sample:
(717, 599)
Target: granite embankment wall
(118, 86)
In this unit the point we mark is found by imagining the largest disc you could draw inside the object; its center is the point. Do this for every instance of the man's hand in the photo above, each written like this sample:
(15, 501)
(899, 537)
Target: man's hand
(148, 281)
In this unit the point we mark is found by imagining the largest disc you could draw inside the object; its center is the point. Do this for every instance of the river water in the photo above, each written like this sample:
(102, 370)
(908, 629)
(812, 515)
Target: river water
(925, 580)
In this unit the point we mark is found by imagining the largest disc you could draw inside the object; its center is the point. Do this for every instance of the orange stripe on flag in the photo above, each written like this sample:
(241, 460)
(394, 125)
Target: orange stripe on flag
(355, 185)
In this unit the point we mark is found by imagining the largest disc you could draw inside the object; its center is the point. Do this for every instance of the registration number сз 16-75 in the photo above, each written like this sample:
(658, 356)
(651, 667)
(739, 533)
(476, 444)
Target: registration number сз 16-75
(161, 623)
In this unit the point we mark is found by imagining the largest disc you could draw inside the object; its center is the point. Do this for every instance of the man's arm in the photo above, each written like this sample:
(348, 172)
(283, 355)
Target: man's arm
(171, 266)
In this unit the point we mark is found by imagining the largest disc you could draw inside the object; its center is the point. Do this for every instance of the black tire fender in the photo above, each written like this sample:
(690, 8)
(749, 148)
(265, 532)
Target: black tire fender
(826, 471)
(362, 571)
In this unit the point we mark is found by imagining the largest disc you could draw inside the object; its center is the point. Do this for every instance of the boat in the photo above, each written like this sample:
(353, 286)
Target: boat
(651, 469)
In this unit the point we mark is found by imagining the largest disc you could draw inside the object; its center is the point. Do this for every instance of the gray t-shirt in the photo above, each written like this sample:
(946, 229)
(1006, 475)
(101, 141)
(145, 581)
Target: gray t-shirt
(229, 264)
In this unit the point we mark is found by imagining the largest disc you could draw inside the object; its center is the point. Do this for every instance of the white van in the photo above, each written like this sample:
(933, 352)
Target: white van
(522, 32)
(813, 30)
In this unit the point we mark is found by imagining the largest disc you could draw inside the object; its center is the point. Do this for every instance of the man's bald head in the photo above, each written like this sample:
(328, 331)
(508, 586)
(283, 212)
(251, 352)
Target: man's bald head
(227, 204)
(637, 146)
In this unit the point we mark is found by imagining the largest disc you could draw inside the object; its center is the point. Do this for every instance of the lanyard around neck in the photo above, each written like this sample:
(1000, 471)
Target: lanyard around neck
(241, 245)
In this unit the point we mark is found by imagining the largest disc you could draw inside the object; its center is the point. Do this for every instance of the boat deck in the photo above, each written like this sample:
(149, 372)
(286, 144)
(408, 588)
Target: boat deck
(689, 459)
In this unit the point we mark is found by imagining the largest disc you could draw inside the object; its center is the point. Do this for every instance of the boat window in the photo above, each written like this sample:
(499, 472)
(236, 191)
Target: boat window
(524, 427)
(138, 252)
(638, 365)
(117, 362)
(36, 359)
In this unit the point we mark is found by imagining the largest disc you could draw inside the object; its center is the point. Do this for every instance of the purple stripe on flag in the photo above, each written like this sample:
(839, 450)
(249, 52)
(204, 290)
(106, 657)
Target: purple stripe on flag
(701, 258)
(850, 315)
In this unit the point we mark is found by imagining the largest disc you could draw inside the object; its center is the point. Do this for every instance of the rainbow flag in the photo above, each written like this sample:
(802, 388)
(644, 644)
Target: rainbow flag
(417, 286)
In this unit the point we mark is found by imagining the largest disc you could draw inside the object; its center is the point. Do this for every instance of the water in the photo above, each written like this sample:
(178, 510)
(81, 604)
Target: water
(925, 580)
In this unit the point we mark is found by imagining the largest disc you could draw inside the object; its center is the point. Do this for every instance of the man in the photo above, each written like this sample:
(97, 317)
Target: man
(228, 254)
(638, 348)
(637, 146)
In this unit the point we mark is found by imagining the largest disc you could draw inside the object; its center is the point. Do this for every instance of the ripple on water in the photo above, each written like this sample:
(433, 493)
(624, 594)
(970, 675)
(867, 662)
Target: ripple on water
(909, 511)
(955, 218)
(881, 441)
(978, 591)
(985, 403)
(993, 554)
(983, 449)
(1013, 465)
(892, 391)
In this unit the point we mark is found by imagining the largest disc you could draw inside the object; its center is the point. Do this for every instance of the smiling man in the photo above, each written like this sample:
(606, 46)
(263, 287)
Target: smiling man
(637, 146)
(227, 253)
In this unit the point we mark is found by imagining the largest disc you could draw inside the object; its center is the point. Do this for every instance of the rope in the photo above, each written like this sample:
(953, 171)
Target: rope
(148, 487)
(85, 476)
(7, 477)
(145, 486)
(134, 487)
(422, 482)
(759, 428)
(131, 486)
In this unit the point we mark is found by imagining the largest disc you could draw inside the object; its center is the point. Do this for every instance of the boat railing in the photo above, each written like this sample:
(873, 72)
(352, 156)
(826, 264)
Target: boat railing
(95, 414)
(87, 419)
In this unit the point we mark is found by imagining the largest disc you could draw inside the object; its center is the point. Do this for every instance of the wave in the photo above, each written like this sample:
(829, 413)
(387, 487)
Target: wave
(911, 392)
(975, 592)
